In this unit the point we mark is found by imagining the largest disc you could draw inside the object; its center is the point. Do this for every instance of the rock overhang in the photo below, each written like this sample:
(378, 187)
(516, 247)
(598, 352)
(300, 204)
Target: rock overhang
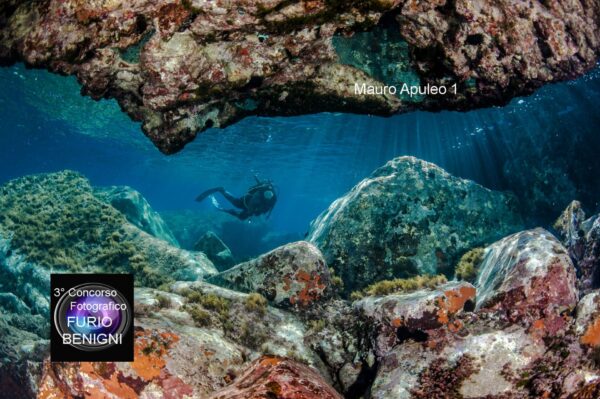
(181, 67)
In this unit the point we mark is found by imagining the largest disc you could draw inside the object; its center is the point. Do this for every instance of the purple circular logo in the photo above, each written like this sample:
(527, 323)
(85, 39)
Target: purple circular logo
(92, 317)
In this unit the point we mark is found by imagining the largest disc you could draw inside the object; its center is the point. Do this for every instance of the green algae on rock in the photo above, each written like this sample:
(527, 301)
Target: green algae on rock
(409, 217)
(400, 285)
(468, 265)
(56, 221)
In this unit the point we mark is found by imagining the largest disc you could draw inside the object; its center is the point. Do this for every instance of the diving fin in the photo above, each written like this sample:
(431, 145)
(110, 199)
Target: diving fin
(205, 194)
(215, 203)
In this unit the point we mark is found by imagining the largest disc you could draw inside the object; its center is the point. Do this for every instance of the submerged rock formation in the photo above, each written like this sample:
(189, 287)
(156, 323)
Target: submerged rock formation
(137, 211)
(293, 275)
(521, 330)
(54, 223)
(530, 276)
(216, 250)
(190, 341)
(275, 377)
(581, 236)
(184, 66)
(409, 217)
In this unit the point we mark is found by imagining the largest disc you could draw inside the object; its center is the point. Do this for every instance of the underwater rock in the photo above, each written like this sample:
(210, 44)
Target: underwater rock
(409, 217)
(570, 229)
(137, 211)
(400, 317)
(215, 249)
(278, 378)
(164, 366)
(294, 275)
(190, 341)
(337, 334)
(54, 223)
(529, 278)
(519, 341)
(183, 67)
(465, 365)
(163, 259)
(581, 237)
(587, 323)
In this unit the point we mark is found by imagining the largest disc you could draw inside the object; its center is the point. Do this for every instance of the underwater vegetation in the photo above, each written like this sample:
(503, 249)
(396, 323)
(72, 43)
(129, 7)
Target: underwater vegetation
(411, 282)
(510, 315)
(66, 227)
(469, 263)
(231, 60)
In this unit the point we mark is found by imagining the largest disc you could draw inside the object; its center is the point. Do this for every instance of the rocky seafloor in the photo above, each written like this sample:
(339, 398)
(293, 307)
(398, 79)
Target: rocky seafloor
(415, 284)
(183, 66)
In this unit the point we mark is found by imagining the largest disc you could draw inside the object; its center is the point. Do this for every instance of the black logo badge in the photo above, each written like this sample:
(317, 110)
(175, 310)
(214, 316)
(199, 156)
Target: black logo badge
(92, 317)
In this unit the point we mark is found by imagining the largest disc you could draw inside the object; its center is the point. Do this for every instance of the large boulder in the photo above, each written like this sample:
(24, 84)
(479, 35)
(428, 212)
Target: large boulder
(518, 340)
(293, 275)
(137, 211)
(54, 222)
(409, 217)
(216, 250)
(399, 317)
(278, 378)
(528, 277)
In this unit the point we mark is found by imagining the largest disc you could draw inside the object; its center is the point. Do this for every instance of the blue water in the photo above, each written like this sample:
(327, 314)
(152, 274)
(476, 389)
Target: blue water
(47, 126)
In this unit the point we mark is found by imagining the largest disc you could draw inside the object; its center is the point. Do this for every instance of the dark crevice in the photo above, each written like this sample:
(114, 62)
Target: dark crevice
(596, 277)
(254, 83)
(542, 44)
(469, 306)
(404, 334)
(363, 383)
(475, 39)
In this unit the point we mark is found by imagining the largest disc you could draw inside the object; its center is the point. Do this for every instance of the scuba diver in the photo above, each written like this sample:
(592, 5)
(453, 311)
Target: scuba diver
(259, 200)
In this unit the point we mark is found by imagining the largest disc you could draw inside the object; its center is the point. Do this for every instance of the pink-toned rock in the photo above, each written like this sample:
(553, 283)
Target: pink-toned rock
(278, 378)
(400, 317)
(528, 278)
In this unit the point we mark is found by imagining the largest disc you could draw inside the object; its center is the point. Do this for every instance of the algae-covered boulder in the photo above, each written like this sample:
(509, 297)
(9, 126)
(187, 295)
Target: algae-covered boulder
(216, 250)
(409, 217)
(137, 211)
(55, 222)
(292, 275)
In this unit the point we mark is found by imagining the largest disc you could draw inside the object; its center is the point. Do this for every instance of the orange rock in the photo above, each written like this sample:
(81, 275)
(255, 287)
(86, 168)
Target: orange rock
(592, 334)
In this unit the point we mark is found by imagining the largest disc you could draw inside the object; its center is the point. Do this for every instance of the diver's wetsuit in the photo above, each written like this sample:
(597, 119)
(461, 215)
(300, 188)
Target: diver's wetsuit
(260, 199)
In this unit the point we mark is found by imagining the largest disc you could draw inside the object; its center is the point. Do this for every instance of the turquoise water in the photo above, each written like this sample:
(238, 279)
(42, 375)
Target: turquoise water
(47, 126)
